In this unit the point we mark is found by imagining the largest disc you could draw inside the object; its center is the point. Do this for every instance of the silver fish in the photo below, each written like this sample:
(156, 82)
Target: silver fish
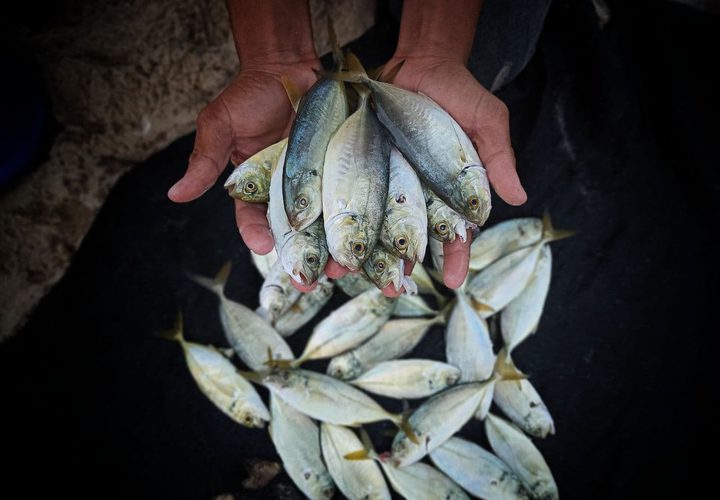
(404, 229)
(435, 145)
(250, 336)
(325, 398)
(502, 239)
(438, 419)
(521, 316)
(263, 263)
(412, 306)
(495, 286)
(348, 326)
(297, 441)
(356, 479)
(444, 223)
(218, 379)
(320, 113)
(467, 342)
(305, 309)
(425, 284)
(408, 378)
(396, 338)
(519, 400)
(250, 181)
(520, 454)
(277, 293)
(384, 268)
(477, 470)
(422, 482)
(353, 284)
(303, 253)
(355, 186)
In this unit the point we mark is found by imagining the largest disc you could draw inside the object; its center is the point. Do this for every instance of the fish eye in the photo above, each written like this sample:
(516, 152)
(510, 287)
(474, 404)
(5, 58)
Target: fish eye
(441, 228)
(358, 248)
(401, 243)
(380, 266)
(311, 259)
(301, 202)
(250, 187)
(474, 202)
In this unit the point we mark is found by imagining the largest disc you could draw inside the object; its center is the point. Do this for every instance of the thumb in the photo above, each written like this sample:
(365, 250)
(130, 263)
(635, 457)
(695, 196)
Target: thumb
(210, 155)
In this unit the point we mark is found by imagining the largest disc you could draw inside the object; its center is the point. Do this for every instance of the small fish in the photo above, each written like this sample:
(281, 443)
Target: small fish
(250, 335)
(353, 284)
(521, 316)
(495, 286)
(297, 441)
(327, 399)
(437, 253)
(478, 471)
(305, 309)
(440, 151)
(408, 378)
(438, 419)
(416, 481)
(404, 229)
(396, 338)
(348, 326)
(502, 239)
(444, 223)
(355, 187)
(356, 479)
(519, 400)
(277, 293)
(384, 268)
(521, 455)
(412, 306)
(303, 253)
(319, 115)
(467, 342)
(425, 284)
(218, 379)
(250, 181)
(263, 263)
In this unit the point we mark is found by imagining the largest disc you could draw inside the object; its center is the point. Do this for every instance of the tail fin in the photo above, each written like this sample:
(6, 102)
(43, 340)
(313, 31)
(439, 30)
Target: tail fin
(549, 233)
(338, 56)
(390, 75)
(505, 369)
(293, 93)
(217, 284)
(278, 364)
(176, 334)
(363, 92)
(368, 451)
(404, 423)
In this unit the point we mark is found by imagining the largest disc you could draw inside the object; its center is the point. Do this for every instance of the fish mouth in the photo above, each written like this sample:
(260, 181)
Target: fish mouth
(300, 276)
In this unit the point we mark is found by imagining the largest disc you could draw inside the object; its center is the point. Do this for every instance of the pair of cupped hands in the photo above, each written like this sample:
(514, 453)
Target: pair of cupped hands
(254, 112)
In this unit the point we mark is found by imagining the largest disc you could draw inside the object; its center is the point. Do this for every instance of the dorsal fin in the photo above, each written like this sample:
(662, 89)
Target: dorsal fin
(292, 92)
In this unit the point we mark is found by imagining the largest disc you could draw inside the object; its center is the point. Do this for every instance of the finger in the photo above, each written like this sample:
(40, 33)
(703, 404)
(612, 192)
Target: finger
(335, 270)
(210, 155)
(304, 288)
(253, 226)
(457, 259)
(492, 139)
(389, 291)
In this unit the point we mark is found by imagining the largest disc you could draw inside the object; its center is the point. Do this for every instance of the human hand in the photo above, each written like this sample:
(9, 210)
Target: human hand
(249, 115)
(484, 118)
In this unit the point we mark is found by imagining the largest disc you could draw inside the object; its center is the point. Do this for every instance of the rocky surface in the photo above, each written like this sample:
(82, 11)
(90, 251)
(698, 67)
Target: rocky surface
(125, 79)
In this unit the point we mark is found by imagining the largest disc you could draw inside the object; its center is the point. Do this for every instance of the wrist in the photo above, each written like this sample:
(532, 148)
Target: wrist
(271, 32)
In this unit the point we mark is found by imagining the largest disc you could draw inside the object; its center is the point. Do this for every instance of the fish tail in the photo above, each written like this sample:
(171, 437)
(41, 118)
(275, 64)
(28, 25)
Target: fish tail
(293, 93)
(549, 233)
(176, 334)
(363, 92)
(338, 56)
(278, 364)
(367, 452)
(391, 73)
(216, 284)
(446, 311)
(355, 73)
(251, 376)
(410, 286)
(505, 369)
(403, 422)
(481, 307)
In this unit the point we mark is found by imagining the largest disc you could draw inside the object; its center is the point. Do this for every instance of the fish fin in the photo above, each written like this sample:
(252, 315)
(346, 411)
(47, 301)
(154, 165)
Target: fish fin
(217, 284)
(293, 93)
(410, 287)
(357, 455)
(447, 310)
(549, 233)
(391, 73)
(251, 376)
(366, 441)
(278, 364)
(176, 334)
(481, 307)
(404, 423)
(362, 91)
(296, 308)
(505, 369)
(354, 65)
(338, 56)
(227, 352)
(374, 74)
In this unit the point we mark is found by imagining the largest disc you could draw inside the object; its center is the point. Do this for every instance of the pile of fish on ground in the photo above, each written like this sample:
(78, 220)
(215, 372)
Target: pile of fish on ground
(313, 416)
(366, 187)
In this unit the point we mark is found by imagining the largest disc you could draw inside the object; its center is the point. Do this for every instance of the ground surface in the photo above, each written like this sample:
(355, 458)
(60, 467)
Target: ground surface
(611, 129)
